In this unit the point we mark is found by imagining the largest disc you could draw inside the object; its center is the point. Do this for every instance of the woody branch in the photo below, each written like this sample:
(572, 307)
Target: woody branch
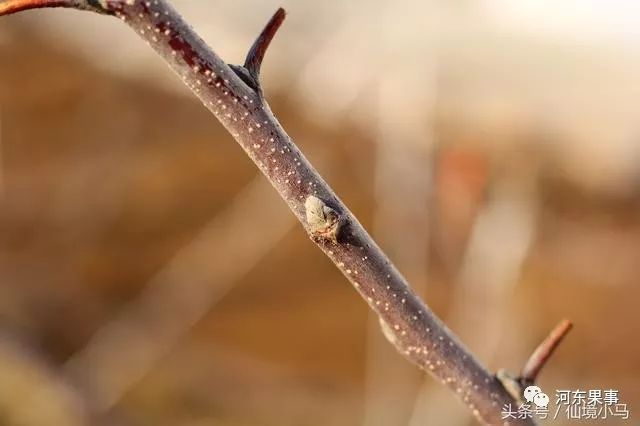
(543, 352)
(234, 95)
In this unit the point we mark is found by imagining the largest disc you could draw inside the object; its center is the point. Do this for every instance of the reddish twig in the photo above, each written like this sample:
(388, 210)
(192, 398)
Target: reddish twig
(234, 96)
(543, 352)
(256, 54)
(8, 7)
(250, 71)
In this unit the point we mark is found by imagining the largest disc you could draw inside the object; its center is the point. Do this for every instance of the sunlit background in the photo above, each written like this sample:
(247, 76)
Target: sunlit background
(149, 275)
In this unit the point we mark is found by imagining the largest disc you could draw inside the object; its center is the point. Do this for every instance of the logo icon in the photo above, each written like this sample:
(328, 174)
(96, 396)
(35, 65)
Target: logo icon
(534, 394)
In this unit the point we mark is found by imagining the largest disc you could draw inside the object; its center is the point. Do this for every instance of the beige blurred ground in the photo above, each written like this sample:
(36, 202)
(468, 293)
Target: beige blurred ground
(136, 287)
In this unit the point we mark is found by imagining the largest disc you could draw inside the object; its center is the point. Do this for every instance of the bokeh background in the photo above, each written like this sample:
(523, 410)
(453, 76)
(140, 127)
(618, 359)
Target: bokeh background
(491, 148)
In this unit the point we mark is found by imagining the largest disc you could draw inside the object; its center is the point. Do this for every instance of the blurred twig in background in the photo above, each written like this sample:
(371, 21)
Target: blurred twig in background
(403, 153)
(179, 295)
(498, 246)
(32, 392)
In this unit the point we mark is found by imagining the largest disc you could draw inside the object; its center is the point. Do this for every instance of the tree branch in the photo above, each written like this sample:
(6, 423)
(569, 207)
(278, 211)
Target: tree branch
(238, 103)
(543, 352)
(8, 7)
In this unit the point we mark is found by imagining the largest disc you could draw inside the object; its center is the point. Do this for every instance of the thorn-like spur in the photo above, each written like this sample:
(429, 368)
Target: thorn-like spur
(250, 71)
(543, 352)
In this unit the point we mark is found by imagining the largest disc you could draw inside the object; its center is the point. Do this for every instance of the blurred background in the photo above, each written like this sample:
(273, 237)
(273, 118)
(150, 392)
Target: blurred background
(491, 148)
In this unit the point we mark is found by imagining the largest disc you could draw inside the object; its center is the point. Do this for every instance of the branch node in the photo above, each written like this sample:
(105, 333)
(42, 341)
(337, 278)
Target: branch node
(543, 352)
(511, 384)
(323, 221)
(250, 71)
